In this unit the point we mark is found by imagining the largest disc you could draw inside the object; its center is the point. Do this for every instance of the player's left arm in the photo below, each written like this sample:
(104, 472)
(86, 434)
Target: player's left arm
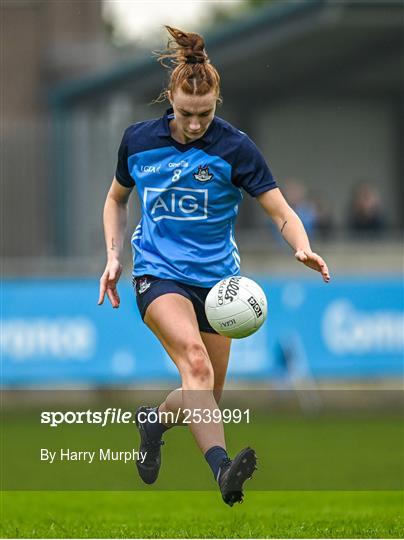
(292, 230)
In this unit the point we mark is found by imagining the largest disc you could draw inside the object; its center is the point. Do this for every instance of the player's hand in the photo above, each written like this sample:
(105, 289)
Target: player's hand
(315, 262)
(108, 282)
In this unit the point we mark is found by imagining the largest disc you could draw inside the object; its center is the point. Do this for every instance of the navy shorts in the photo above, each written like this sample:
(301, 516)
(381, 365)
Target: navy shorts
(148, 288)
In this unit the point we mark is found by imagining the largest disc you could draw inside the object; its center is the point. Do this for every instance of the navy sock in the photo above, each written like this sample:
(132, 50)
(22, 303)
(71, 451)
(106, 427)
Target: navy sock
(155, 430)
(214, 456)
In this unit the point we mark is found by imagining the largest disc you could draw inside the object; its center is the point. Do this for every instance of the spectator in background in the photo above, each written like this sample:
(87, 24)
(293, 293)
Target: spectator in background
(296, 195)
(365, 210)
(313, 211)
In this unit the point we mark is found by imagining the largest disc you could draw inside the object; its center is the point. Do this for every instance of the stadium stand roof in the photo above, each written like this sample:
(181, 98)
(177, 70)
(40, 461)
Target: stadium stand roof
(348, 46)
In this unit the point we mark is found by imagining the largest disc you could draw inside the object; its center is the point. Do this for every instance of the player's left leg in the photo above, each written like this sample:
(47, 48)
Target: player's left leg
(234, 473)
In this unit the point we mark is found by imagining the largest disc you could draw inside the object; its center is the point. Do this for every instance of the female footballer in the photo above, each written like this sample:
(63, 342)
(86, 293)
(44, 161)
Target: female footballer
(190, 168)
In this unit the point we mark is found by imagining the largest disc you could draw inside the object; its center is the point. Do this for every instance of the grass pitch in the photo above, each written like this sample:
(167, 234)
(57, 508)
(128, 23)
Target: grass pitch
(323, 476)
(202, 514)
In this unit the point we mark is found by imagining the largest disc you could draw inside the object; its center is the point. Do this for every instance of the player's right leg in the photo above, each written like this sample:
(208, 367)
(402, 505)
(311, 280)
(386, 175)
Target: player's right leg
(172, 319)
(218, 349)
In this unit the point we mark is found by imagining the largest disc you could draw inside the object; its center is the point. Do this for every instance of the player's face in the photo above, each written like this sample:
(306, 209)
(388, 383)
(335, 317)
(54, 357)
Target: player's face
(193, 115)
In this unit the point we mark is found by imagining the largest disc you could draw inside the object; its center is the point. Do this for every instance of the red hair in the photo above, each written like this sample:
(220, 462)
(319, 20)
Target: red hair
(189, 65)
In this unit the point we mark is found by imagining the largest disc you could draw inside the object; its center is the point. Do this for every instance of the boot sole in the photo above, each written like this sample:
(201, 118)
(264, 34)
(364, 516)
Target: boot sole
(242, 469)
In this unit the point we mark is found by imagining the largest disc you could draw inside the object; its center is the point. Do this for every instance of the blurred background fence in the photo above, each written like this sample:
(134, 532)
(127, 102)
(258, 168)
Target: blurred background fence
(317, 84)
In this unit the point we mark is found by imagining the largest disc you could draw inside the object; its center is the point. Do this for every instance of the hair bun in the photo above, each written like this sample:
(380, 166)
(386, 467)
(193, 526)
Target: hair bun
(193, 59)
(187, 47)
(189, 65)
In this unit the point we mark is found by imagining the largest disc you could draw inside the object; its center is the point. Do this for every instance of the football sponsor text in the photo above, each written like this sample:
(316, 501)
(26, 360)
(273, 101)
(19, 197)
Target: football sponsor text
(176, 203)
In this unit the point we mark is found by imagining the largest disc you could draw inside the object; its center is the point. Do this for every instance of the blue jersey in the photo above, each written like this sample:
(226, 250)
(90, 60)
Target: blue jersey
(189, 194)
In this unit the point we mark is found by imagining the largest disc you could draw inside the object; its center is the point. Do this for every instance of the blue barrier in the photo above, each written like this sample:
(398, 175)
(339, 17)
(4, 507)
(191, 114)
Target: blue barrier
(54, 332)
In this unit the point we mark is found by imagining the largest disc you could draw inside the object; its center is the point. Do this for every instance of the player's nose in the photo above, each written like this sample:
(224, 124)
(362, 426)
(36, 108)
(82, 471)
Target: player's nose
(194, 125)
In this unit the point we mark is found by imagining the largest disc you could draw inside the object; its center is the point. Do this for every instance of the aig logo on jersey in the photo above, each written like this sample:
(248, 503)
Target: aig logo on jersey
(182, 204)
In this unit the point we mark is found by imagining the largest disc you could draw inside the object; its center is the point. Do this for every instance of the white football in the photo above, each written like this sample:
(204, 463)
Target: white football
(236, 307)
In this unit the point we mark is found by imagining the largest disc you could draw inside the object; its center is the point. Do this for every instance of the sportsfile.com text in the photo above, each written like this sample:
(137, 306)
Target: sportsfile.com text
(113, 415)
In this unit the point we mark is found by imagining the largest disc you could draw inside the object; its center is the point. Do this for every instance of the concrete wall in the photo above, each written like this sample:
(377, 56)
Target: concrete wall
(41, 42)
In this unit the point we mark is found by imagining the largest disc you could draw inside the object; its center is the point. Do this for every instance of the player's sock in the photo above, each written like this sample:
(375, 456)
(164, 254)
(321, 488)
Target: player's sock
(215, 456)
(155, 430)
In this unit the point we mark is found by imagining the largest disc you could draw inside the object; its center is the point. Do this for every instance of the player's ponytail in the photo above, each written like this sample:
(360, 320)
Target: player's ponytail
(189, 65)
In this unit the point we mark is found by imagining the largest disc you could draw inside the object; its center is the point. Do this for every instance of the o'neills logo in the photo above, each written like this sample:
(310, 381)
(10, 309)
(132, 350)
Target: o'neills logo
(203, 174)
(232, 289)
(228, 294)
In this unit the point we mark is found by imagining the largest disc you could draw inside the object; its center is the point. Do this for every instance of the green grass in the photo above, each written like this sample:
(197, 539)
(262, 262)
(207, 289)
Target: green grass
(325, 475)
(201, 514)
(362, 452)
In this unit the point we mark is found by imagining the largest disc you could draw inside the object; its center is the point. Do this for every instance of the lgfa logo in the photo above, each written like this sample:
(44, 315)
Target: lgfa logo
(150, 169)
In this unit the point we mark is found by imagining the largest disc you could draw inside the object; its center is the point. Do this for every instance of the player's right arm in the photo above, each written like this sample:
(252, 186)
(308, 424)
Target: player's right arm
(115, 220)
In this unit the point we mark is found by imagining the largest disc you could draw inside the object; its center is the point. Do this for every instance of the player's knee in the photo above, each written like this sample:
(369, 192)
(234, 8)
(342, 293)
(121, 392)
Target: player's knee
(198, 366)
